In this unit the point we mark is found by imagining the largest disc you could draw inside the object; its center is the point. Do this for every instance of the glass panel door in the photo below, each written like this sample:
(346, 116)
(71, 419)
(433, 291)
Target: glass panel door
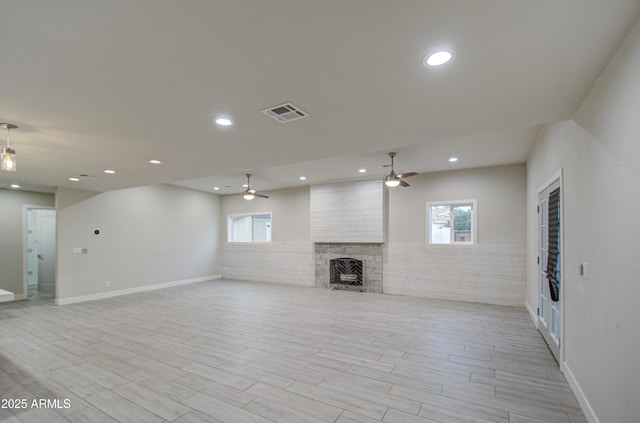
(549, 312)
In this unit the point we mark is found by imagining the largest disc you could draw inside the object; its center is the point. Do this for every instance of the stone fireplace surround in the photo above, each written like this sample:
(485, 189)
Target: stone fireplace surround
(369, 253)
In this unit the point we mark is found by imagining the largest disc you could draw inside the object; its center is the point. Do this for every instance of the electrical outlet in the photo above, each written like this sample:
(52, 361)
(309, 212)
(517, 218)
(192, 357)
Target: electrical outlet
(108, 284)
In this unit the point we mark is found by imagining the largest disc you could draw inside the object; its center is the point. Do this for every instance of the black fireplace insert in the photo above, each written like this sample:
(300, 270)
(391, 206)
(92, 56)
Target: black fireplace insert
(346, 271)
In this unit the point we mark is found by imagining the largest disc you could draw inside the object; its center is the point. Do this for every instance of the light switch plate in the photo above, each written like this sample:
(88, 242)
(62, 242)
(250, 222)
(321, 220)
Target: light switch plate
(584, 270)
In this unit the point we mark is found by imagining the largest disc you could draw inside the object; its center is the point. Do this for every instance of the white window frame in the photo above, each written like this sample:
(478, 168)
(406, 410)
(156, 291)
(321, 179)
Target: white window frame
(230, 218)
(452, 203)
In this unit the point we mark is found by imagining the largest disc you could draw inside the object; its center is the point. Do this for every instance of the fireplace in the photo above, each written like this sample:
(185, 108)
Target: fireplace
(346, 271)
(349, 266)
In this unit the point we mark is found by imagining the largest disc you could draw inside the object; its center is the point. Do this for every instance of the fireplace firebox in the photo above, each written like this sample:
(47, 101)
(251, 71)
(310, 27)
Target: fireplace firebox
(346, 271)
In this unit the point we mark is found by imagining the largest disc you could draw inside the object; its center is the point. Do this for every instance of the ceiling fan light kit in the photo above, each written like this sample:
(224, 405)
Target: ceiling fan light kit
(8, 154)
(391, 181)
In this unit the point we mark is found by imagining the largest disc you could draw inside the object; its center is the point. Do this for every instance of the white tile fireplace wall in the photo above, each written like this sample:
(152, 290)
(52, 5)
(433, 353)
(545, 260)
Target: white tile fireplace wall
(348, 220)
(348, 212)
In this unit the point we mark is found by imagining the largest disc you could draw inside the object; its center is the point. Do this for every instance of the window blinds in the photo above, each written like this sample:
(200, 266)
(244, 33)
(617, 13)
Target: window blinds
(553, 252)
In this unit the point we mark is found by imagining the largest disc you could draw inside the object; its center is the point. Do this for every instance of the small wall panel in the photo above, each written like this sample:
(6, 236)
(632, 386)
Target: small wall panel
(348, 212)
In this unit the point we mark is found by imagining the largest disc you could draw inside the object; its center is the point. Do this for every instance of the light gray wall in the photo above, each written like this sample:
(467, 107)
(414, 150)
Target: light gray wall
(288, 258)
(12, 250)
(500, 192)
(290, 208)
(150, 235)
(492, 271)
(598, 152)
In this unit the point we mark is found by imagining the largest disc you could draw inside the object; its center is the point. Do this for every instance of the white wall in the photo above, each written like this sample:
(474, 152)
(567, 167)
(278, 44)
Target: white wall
(290, 208)
(492, 271)
(598, 152)
(288, 258)
(500, 191)
(12, 250)
(151, 235)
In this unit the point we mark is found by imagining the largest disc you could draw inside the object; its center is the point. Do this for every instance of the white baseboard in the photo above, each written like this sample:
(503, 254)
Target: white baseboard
(6, 296)
(589, 414)
(109, 294)
(532, 314)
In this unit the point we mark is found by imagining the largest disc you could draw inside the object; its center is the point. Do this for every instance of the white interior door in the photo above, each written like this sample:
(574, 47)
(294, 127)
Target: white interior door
(549, 312)
(47, 251)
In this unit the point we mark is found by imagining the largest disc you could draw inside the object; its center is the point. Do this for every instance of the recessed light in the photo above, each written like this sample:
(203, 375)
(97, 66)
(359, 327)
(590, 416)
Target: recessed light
(155, 161)
(15, 186)
(453, 159)
(437, 58)
(223, 121)
(216, 188)
(74, 179)
(245, 186)
(303, 178)
(362, 170)
(109, 171)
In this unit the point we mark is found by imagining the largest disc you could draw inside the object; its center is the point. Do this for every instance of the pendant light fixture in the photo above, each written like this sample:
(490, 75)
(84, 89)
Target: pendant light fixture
(8, 155)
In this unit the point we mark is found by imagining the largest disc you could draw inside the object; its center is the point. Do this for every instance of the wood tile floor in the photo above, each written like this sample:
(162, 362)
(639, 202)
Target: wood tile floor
(238, 352)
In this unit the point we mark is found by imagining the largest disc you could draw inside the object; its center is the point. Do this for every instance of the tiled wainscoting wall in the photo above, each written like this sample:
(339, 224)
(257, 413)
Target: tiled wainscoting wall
(281, 262)
(370, 254)
(483, 273)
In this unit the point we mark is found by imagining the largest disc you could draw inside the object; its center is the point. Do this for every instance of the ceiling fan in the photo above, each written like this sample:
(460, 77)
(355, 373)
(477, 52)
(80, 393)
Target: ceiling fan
(249, 193)
(394, 179)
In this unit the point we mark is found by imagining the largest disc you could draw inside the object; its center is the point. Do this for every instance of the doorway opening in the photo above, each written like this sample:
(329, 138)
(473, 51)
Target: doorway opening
(40, 254)
(550, 280)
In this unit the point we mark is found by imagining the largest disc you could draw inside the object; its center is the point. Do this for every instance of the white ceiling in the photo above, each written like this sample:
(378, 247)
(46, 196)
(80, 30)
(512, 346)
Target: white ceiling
(99, 85)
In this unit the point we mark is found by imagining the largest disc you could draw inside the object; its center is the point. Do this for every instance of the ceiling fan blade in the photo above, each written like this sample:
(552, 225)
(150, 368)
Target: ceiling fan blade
(408, 174)
(403, 183)
(261, 195)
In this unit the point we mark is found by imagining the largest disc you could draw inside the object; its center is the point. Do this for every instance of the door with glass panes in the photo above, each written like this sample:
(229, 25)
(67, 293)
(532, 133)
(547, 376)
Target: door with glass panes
(549, 269)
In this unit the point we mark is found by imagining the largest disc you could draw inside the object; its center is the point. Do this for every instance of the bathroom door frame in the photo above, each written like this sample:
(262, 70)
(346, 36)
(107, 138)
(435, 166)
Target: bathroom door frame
(25, 286)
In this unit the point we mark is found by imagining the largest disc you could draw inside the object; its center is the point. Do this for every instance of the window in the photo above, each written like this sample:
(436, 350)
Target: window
(452, 222)
(249, 227)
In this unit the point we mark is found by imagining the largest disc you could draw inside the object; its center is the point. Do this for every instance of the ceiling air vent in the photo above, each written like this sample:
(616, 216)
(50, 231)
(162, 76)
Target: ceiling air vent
(285, 112)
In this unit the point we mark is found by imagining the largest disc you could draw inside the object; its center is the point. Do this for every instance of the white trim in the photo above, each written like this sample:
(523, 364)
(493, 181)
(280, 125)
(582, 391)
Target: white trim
(474, 220)
(109, 294)
(230, 217)
(6, 296)
(557, 176)
(588, 411)
(532, 314)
